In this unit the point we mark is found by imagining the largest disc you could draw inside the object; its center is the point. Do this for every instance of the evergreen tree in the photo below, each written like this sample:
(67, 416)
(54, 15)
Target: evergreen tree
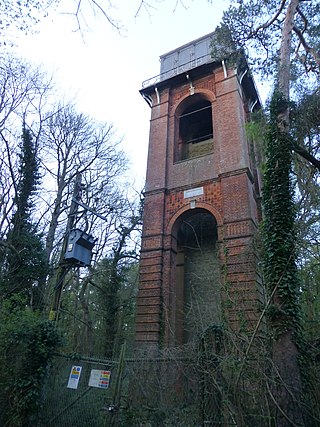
(27, 340)
(23, 259)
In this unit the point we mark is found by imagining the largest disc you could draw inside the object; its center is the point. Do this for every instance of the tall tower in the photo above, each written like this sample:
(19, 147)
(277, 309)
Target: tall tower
(198, 263)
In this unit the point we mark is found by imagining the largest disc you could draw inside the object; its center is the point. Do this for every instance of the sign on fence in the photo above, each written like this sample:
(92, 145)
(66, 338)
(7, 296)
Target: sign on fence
(74, 377)
(99, 378)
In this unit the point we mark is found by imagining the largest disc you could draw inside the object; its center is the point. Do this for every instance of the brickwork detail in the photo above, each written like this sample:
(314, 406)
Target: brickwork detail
(206, 83)
(238, 229)
(151, 242)
(175, 199)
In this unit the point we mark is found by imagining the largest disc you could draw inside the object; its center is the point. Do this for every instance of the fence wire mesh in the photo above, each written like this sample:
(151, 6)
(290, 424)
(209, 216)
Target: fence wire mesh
(170, 391)
(150, 392)
(83, 406)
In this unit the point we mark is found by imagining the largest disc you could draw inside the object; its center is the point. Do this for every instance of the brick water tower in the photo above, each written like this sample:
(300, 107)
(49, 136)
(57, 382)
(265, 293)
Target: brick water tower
(198, 264)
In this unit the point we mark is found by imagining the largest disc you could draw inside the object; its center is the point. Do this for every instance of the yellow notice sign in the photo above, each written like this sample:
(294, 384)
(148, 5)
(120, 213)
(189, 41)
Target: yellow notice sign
(74, 377)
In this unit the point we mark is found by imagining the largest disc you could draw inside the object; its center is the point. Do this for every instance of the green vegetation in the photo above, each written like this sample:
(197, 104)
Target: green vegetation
(27, 341)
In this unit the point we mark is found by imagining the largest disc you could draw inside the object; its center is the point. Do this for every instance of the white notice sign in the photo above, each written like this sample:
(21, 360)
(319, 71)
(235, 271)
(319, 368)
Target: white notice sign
(74, 377)
(99, 378)
(193, 192)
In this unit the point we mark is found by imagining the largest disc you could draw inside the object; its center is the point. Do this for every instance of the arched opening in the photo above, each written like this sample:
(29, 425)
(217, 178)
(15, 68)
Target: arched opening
(195, 130)
(197, 276)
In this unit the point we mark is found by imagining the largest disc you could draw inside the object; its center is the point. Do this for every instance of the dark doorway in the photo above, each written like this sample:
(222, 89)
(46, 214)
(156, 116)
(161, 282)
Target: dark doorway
(197, 276)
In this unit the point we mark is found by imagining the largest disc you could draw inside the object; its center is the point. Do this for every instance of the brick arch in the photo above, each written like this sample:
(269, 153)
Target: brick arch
(199, 205)
(194, 274)
(181, 103)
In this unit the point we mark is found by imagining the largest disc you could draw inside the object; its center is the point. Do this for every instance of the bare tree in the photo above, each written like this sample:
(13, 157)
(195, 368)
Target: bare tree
(24, 16)
(22, 89)
(72, 144)
(99, 300)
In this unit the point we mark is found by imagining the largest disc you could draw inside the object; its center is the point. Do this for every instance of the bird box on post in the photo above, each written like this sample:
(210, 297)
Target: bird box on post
(79, 247)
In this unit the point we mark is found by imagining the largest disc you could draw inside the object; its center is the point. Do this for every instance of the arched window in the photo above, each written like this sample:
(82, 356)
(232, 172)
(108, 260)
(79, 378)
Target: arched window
(195, 130)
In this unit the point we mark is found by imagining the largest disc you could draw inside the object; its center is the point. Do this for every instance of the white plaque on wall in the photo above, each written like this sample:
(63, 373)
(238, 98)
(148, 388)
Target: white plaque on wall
(193, 192)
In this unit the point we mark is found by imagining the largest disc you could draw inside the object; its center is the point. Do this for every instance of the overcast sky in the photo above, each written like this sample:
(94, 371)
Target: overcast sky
(105, 68)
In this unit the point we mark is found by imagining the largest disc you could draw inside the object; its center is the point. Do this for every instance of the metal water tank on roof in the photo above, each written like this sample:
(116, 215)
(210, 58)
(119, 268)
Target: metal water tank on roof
(186, 57)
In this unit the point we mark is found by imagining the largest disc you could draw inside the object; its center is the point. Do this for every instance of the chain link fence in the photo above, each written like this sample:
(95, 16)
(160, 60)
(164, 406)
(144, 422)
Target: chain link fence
(169, 391)
(75, 407)
(147, 392)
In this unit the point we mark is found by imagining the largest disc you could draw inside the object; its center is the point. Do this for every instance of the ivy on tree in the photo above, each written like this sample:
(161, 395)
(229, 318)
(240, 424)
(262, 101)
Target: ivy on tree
(24, 263)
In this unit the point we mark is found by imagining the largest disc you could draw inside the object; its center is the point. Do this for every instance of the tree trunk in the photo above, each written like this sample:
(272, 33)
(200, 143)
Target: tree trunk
(285, 49)
(87, 338)
(287, 391)
(56, 213)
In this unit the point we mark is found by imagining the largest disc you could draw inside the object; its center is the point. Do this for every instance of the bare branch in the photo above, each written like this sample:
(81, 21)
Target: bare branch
(307, 48)
(143, 5)
(269, 23)
(306, 155)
